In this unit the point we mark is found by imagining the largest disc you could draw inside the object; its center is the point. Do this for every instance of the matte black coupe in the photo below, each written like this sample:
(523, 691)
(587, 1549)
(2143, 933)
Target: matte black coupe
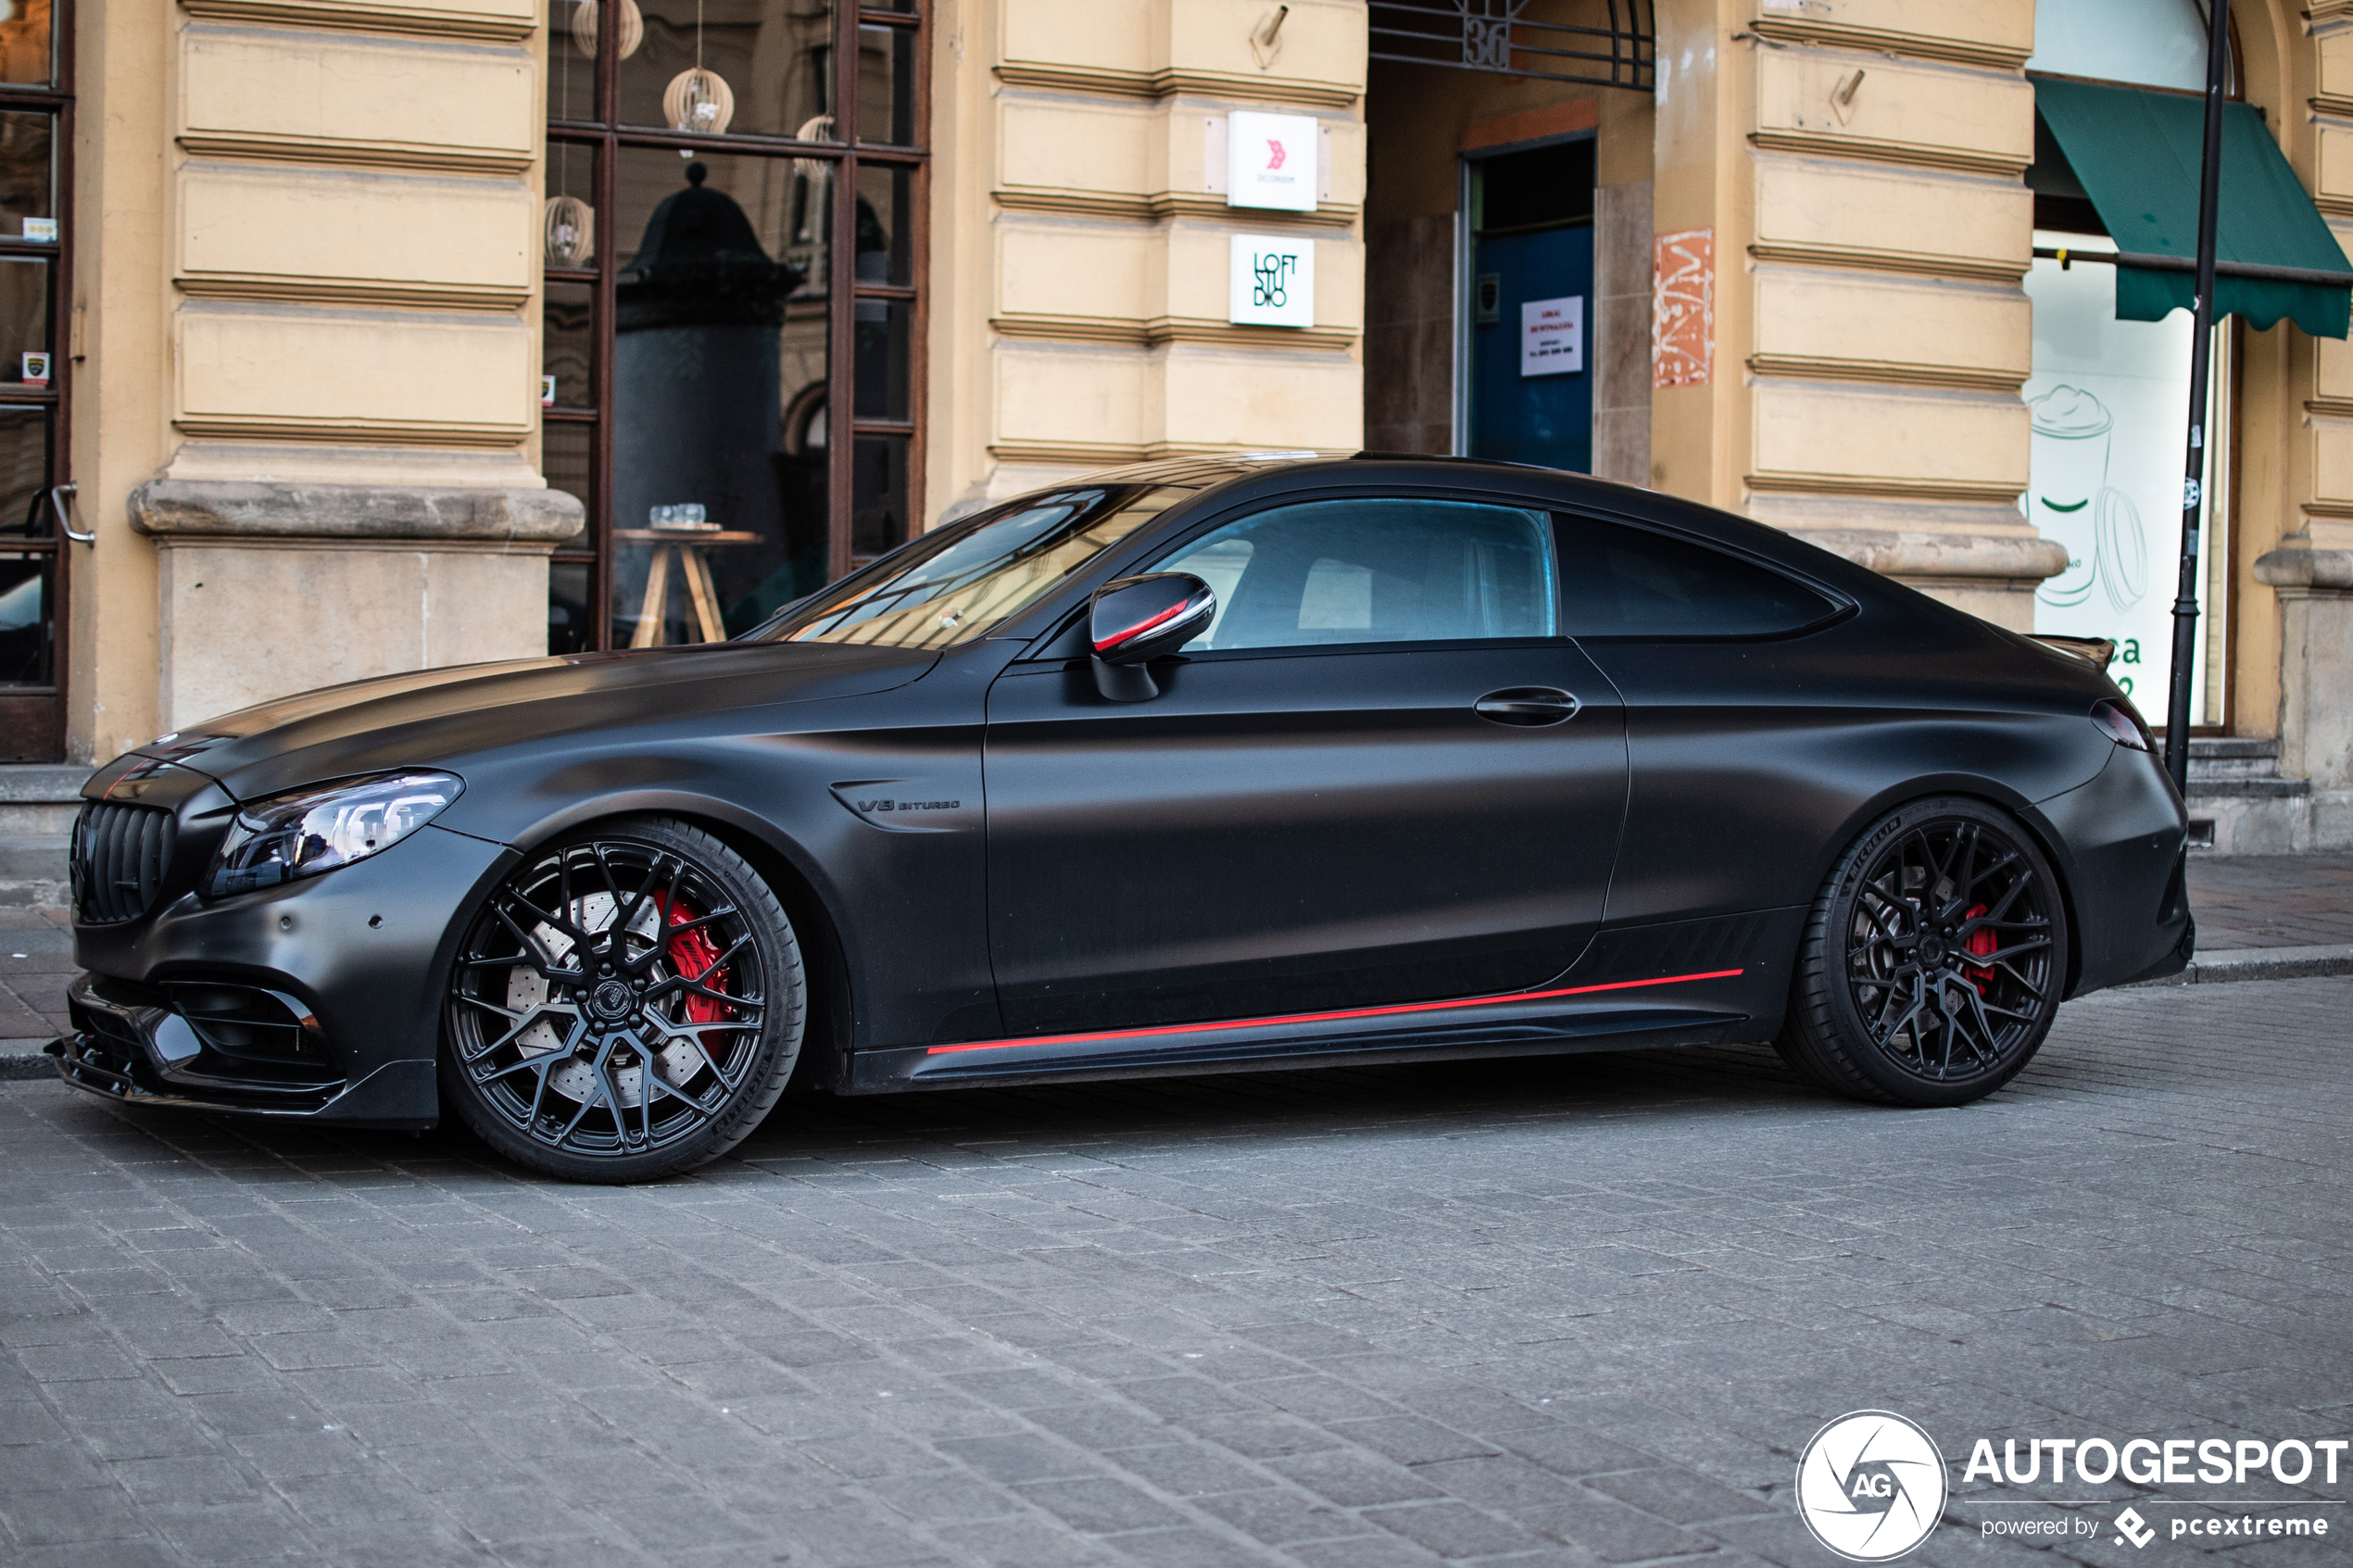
(1197, 766)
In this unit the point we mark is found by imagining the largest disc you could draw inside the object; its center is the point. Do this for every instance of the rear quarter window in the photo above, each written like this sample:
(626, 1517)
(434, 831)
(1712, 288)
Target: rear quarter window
(1623, 582)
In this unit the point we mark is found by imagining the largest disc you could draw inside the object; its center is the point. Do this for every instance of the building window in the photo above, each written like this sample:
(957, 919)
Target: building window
(701, 329)
(2109, 398)
(36, 140)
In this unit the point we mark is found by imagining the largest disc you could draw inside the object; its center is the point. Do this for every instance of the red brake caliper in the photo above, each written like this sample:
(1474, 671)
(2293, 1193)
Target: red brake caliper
(691, 954)
(1983, 943)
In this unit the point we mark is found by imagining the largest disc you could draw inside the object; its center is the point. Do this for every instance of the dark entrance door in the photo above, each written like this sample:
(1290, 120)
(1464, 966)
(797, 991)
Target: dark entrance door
(1532, 397)
(1315, 813)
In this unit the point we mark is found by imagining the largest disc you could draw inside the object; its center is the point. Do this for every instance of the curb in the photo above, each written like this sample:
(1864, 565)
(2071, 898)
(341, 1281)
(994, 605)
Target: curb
(21, 1066)
(2256, 963)
(2214, 969)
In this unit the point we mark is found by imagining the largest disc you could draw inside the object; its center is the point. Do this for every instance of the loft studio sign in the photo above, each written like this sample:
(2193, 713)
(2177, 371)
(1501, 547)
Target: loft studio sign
(1271, 281)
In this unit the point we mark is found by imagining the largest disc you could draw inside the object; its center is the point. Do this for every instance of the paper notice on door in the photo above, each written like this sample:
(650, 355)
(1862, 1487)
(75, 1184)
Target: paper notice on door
(1551, 337)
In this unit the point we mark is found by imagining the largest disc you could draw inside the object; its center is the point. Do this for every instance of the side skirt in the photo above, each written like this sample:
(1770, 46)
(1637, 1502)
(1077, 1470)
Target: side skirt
(1707, 1007)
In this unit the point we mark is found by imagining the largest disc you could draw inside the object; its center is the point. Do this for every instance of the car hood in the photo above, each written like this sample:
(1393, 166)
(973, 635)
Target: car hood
(438, 716)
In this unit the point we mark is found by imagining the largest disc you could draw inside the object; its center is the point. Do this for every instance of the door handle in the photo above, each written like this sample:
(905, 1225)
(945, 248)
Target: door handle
(1527, 706)
(61, 502)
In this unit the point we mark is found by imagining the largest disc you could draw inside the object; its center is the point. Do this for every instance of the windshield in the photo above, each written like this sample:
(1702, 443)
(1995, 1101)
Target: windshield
(963, 581)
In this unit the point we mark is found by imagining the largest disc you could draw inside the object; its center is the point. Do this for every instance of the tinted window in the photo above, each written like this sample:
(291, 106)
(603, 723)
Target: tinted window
(1627, 582)
(968, 579)
(1374, 571)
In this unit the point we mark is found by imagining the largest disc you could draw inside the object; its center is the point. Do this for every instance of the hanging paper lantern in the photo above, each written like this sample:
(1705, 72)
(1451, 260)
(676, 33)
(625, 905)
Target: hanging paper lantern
(570, 230)
(700, 101)
(627, 22)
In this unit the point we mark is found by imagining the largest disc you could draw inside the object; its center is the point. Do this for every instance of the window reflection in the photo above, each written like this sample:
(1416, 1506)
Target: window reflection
(24, 619)
(26, 174)
(774, 55)
(887, 85)
(719, 501)
(24, 472)
(25, 51)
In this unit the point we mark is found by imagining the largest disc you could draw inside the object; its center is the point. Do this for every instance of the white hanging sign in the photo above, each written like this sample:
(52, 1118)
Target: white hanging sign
(1272, 282)
(1551, 337)
(1271, 160)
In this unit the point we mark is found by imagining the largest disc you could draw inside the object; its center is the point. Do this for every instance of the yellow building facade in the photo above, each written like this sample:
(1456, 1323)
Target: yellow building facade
(388, 336)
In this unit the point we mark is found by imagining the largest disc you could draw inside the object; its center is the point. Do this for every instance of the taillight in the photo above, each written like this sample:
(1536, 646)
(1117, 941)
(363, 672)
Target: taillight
(2121, 724)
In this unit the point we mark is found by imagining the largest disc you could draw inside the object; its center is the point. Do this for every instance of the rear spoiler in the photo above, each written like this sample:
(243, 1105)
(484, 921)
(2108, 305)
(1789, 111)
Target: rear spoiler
(2096, 651)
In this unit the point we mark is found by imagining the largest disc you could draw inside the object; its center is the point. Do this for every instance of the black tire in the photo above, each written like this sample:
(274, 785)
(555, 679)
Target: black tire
(649, 1055)
(1933, 962)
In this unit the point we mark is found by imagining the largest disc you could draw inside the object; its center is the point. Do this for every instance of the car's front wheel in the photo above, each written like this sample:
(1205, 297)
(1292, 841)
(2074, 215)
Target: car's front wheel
(1933, 962)
(627, 1004)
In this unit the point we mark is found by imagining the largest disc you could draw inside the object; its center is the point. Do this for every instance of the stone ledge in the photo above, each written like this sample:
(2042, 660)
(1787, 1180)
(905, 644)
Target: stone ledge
(2014, 557)
(2324, 569)
(233, 508)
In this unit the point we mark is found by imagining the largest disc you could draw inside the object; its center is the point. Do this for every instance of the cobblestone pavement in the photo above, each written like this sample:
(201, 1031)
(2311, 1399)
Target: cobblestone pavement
(37, 961)
(1579, 1312)
(2271, 900)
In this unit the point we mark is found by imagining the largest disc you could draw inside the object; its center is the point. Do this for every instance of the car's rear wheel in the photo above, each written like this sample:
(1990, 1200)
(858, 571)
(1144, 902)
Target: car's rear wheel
(627, 1004)
(1933, 962)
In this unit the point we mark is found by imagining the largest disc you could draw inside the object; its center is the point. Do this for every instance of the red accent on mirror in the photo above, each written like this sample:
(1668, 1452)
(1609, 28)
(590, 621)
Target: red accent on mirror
(1171, 613)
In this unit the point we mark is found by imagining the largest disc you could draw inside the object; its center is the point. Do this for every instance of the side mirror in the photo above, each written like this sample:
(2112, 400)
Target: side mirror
(1137, 619)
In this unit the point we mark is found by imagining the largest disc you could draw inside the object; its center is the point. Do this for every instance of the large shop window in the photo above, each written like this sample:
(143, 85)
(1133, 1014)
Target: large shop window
(734, 399)
(2116, 170)
(36, 142)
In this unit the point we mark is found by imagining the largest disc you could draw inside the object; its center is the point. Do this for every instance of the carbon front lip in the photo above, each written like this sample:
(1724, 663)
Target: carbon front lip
(124, 1058)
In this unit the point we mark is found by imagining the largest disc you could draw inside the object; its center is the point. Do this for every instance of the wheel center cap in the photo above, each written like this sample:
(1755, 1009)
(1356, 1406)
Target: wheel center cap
(611, 999)
(1932, 950)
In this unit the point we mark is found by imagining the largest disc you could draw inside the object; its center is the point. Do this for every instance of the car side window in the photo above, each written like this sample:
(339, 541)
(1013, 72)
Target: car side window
(1631, 583)
(1374, 571)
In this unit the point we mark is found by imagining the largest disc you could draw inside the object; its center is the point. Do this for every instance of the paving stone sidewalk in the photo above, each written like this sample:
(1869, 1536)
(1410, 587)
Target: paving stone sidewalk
(1575, 1311)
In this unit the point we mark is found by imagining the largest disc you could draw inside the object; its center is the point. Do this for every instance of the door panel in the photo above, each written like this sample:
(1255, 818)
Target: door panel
(1294, 831)
(1517, 417)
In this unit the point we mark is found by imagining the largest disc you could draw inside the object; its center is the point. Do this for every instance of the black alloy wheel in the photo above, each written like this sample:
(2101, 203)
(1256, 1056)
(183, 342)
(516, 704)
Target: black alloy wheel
(1934, 961)
(627, 1004)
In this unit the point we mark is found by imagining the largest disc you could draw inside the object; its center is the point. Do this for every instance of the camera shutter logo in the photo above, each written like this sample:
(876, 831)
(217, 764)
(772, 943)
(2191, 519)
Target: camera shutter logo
(1871, 1485)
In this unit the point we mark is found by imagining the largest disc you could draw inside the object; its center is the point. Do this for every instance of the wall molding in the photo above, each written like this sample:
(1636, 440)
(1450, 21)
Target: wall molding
(379, 432)
(1886, 373)
(1870, 149)
(350, 291)
(2334, 510)
(1168, 83)
(1887, 487)
(1159, 330)
(1977, 270)
(356, 154)
(2331, 103)
(407, 20)
(2334, 408)
(1164, 203)
(1886, 41)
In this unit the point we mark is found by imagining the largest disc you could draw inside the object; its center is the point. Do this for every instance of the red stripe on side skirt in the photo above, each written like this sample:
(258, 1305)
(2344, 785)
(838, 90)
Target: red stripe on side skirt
(1329, 1016)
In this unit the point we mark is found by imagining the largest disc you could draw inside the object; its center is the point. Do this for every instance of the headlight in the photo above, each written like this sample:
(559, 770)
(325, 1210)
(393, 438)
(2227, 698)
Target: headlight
(310, 831)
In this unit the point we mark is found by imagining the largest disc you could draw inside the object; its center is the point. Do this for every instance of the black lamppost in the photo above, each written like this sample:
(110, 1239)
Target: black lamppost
(2177, 703)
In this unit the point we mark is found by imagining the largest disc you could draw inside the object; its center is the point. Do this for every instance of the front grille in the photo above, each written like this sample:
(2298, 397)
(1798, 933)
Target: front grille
(119, 857)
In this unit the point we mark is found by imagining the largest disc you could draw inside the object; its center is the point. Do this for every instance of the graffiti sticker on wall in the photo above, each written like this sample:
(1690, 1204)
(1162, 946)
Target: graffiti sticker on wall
(1683, 308)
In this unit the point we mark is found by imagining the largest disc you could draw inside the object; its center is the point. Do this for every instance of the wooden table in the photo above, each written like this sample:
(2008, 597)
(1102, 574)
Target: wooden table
(687, 546)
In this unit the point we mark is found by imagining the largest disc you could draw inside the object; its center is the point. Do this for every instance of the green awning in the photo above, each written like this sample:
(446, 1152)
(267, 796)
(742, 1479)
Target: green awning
(2137, 154)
